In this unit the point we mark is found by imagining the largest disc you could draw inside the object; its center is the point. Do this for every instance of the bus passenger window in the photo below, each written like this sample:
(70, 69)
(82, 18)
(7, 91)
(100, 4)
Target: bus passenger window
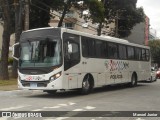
(112, 51)
(143, 54)
(130, 53)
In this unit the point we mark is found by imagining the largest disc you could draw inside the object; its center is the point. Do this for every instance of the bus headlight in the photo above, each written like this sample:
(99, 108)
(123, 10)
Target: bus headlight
(55, 76)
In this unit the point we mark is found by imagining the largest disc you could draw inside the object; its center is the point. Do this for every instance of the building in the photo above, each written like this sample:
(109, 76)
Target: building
(75, 20)
(137, 34)
(140, 33)
(152, 34)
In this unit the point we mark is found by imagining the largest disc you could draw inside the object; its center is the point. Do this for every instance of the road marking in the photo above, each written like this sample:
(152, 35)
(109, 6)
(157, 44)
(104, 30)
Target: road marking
(58, 118)
(63, 104)
(140, 119)
(71, 103)
(78, 110)
(52, 107)
(61, 118)
(4, 118)
(38, 110)
(72, 113)
(89, 107)
(12, 108)
(60, 105)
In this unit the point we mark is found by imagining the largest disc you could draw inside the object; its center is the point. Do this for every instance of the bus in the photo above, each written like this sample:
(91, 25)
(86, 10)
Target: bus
(52, 59)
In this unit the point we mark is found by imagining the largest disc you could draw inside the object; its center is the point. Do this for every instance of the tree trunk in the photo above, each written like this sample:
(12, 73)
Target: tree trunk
(6, 40)
(18, 31)
(99, 30)
(26, 23)
(64, 13)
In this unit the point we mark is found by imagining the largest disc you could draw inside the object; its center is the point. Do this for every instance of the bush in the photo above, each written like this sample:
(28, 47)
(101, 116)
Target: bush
(10, 61)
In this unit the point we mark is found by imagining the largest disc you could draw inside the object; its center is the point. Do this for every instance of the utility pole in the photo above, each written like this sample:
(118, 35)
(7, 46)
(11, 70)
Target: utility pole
(26, 23)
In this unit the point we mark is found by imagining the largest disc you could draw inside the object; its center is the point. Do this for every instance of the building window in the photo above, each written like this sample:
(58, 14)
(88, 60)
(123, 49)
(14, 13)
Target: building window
(70, 14)
(69, 25)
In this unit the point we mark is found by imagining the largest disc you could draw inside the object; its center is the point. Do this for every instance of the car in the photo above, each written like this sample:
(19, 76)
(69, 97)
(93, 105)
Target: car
(153, 75)
(158, 74)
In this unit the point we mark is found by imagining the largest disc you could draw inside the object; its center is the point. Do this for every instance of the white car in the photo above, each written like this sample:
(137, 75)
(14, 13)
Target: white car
(153, 75)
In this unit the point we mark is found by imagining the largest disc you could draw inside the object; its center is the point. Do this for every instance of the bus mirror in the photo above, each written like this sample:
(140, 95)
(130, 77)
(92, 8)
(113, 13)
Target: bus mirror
(15, 49)
(70, 48)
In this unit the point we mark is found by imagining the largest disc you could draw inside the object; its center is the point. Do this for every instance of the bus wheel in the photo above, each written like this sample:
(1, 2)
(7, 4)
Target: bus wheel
(151, 79)
(133, 80)
(87, 84)
(50, 91)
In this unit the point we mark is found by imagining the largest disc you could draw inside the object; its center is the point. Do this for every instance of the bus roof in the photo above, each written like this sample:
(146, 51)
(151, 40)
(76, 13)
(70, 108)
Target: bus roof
(102, 37)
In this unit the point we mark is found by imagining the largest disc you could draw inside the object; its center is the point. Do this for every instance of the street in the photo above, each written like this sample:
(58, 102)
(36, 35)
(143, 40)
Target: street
(144, 97)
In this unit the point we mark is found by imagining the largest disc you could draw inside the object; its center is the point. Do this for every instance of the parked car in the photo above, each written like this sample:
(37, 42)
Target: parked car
(158, 74)
(153, 74)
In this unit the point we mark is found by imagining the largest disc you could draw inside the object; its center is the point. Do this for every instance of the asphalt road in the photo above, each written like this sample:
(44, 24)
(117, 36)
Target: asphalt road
(144, 97)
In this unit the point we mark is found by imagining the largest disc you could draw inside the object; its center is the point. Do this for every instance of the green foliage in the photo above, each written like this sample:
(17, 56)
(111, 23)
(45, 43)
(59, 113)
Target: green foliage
(12, 13)
(39, 13)
(155, 50)
(96, 10)
(10, 61)
(126, 13)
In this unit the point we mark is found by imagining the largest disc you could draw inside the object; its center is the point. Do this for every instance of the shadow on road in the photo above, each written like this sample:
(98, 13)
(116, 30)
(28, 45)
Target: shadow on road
(76, 93)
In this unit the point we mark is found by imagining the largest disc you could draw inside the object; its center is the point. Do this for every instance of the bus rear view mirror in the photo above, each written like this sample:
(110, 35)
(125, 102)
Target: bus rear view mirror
(15, 51)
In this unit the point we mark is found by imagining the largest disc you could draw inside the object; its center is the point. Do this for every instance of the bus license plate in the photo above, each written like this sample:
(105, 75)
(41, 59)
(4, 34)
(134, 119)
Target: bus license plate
(33, 85)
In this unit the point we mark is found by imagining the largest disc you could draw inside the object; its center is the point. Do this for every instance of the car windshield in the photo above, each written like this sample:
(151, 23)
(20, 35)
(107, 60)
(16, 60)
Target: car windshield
(41, 52)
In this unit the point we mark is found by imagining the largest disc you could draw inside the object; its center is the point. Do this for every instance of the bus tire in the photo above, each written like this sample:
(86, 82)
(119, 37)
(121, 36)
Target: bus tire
(151, 79)
(133, 82)
(50, 91)
(87, 84)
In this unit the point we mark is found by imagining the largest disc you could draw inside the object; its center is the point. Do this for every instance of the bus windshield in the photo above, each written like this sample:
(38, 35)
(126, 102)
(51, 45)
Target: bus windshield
(40, 52)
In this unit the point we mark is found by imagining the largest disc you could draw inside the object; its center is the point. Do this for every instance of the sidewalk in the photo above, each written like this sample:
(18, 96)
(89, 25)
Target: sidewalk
(8, 87)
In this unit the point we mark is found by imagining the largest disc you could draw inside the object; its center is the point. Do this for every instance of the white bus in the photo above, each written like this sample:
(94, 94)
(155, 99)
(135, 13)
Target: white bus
(54, 59)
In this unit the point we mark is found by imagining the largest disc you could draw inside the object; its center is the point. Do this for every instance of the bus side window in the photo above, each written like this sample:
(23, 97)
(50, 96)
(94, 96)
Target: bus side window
(143, 54)
(112, 51)
(130, 53)
(85, 51)
(147, 55)
(122, 52)
(71, 48)
(138, 53)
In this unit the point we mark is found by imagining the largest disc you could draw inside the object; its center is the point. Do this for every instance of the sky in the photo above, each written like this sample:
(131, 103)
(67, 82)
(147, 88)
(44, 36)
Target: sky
(152, 10)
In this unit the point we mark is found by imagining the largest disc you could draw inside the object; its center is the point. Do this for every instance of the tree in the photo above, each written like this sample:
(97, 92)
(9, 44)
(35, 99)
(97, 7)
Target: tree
(6, 38)
(121, 12)
(125, 14)
(155, 51)
(39, 13)
(97, 10)
(18, 31)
